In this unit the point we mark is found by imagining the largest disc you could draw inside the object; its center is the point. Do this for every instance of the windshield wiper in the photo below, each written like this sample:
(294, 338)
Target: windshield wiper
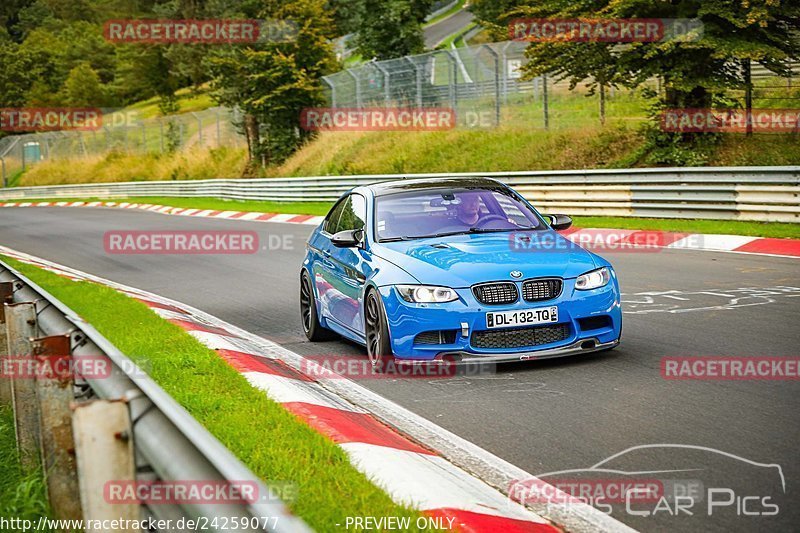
(459, 232)
(397, 239)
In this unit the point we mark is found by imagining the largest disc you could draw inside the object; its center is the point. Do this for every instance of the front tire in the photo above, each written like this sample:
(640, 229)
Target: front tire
(308, 312)
(376, 331)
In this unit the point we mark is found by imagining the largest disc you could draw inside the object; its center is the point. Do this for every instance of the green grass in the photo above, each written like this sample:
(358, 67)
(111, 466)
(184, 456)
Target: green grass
(272, 442)
(457, 38)
(22, 493)
(778, 230)
(187, 100)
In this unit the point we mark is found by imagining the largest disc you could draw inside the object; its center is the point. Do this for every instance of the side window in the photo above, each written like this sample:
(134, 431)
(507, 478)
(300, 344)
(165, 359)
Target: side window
(332, 220)
(354, 213)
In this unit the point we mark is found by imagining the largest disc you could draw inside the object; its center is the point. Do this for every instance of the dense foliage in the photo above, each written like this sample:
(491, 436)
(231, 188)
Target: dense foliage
(54, 53)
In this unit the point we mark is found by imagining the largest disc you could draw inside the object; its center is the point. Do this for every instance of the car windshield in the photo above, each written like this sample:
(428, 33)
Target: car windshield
(438, 212)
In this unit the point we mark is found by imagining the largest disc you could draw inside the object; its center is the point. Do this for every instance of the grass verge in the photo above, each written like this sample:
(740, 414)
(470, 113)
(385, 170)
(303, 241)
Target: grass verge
(778, 230)
(272, 442)
(22, 493)
(196, 163)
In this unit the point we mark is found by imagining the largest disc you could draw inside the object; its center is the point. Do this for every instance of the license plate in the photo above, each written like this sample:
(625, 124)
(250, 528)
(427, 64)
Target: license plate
(523, 317)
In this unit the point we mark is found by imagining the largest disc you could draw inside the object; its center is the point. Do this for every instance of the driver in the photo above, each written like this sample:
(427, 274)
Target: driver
(468, 211)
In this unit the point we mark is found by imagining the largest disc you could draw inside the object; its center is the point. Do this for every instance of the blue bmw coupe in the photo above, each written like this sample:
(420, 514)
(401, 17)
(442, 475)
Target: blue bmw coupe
(457, 269)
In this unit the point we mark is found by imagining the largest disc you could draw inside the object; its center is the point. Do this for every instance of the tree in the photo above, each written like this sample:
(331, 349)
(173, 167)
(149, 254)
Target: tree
(272, 82)
(694, 70)
(83, 87)
(347, 14)
(16, 66)
(490, 14)
(392, 28)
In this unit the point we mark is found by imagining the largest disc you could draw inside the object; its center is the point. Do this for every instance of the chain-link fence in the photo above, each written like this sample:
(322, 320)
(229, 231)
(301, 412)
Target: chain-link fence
(485, 81)
(124, 133)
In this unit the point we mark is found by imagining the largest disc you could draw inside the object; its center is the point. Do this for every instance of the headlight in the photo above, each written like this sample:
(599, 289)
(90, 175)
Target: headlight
(425, 294)
(593, 280)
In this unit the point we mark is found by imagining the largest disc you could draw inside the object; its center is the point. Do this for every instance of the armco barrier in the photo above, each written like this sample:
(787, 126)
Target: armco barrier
(91, 414)
(729, 193)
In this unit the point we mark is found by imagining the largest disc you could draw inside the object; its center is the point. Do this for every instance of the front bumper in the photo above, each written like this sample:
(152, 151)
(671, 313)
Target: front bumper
(467, 315)
(577, 347)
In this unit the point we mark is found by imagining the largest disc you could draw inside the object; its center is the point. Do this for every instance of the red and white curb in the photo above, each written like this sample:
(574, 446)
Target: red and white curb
(401, 458)
(609, 240)
(311, 220)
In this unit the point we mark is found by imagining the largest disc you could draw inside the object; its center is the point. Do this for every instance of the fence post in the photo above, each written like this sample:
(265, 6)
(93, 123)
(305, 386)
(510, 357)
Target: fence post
(6, 292)
(505, 72)
(333, 91)
(5, 178)
(21, 327)
(199, 129)
(496, 58)
(602, 104)
(161, 133)
(54, 393)
(545, 103)
(357, 79)
(417, 81)
(387, 94)
(219, 137)
(104, 453)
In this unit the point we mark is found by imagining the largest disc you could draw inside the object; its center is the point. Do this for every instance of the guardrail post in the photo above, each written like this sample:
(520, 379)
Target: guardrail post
(6, 291)
(54, 382)
(21, 327)
(104, 452)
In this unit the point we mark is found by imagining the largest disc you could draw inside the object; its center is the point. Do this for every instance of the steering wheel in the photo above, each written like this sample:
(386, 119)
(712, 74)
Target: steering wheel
(485, 221)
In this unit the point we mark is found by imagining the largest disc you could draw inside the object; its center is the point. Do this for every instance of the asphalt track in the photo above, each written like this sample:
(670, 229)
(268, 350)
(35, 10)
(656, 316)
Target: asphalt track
(443, 29)
(541, 416)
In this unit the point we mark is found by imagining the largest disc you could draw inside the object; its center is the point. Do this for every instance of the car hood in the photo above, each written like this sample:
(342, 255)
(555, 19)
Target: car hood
(463, 260)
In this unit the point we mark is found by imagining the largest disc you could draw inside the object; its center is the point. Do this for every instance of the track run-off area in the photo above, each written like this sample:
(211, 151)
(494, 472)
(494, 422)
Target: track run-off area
(542, 416)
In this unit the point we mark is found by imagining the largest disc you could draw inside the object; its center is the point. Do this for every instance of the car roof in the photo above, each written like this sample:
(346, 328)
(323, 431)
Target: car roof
(395, 186)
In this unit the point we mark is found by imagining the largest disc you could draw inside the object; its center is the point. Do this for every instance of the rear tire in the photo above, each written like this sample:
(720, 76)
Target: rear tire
(376, 332)
(308, 312)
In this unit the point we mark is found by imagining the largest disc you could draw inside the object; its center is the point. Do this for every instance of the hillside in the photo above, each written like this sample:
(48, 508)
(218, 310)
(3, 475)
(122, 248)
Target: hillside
(405, 152)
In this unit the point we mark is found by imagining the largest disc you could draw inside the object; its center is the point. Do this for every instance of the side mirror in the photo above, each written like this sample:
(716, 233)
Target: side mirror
(559, 222)
(348, 238)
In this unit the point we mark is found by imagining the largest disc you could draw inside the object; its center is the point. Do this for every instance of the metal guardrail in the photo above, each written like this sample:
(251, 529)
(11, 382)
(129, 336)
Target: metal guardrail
(768, 194)
(169, 444)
